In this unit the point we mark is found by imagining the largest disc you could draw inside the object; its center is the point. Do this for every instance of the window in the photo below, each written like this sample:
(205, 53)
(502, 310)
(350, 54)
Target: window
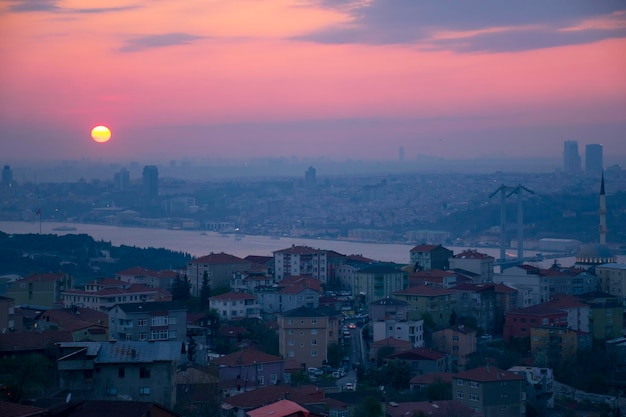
(159, 321)
(144, 372)
(111, 391)
(455, 348)
(314, 341)
(314, 353)
(273, 378)
(460, 395)
(143, 336)
(474, 384)
(171, 320)
(313, 331)
(144, 391)
(474, 397)
(142, 322)
(121, 372)
(291, 354)
(260, 380)
(159, 334)
(259, 366)
(290, 342)
(171, 334)
(459, 382)
(455, 338)
(313, 321)
(290, 321)
(290, 332)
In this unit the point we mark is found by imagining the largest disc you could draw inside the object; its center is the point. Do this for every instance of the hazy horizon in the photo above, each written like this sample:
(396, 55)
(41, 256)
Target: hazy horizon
(242, 79)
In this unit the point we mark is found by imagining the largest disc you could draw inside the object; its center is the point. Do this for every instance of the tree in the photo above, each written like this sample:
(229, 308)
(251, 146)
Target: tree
(439, 390)
(24, 373)
(333, 354)
(369, 407)
(382, 353)
(192, 349)
(181, 288)
(205, 291)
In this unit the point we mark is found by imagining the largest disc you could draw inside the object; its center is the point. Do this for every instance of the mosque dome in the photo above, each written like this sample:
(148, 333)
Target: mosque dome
(595, 254)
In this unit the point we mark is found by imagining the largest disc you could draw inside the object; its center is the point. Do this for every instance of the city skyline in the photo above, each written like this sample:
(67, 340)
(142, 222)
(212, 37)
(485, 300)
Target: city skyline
(336, 79)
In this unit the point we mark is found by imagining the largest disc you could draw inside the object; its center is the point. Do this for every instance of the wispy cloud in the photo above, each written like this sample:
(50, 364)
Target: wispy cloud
(23, 6)
(158, 41)
(487, 25)
(26, 6)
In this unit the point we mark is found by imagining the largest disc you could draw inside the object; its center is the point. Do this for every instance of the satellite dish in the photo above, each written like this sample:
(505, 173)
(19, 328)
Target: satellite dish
(68, 398)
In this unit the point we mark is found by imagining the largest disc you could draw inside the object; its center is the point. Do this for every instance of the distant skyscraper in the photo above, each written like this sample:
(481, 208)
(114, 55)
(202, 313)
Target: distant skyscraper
(401, 154)
(571, 157)
(122, 180)
(7, 175)
(309, 177)
(151, 181)
(593, 158)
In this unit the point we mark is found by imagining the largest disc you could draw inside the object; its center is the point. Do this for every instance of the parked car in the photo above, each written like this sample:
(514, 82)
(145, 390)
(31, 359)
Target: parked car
(350, 386)
(486, 336)
(315, 371)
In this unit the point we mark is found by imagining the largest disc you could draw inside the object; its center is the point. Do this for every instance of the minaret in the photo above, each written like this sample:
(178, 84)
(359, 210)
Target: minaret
(602, 213)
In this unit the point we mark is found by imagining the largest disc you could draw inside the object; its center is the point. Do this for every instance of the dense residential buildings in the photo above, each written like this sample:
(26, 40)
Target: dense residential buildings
(388, 308)
(410, 330)
(606, 320)
(553, 345)
(517, 323)
(612, 279)
(154, 321)
(235, 306)
(218, 268)
(476, 262)
(42, 290)
(103, 294)
(121, 370)
(430, 257)
(491, 391)
(378, 281)
(422, 360)
(147, 277)
(304, 335)
(458, 341)
(437, 303)
(527, 277)
(290, 293)
(248, 369)
(301, 260)
(539, 386)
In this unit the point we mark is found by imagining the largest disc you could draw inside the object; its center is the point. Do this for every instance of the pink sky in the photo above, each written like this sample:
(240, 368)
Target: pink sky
(343, 79)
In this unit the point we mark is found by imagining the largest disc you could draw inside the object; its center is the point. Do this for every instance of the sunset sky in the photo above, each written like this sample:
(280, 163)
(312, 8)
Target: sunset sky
(336, 78)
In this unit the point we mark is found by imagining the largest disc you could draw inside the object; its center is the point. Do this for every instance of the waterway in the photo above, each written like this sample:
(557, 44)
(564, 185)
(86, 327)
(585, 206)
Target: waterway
(199, 243)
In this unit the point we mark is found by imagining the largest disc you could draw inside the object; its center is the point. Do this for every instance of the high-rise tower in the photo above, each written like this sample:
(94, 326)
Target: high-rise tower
(571, 157)
(593, 158)
(602, 213)
(151, 181)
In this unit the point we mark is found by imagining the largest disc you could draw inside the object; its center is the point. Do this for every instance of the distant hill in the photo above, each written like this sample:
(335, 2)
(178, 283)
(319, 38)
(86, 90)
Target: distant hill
(79, 255)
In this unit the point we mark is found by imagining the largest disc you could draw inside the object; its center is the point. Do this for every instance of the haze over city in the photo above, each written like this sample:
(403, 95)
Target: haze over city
(335, 79)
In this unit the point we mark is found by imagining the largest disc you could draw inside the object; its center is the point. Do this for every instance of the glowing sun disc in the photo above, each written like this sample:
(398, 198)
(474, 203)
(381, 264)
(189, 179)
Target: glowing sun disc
(101, 134)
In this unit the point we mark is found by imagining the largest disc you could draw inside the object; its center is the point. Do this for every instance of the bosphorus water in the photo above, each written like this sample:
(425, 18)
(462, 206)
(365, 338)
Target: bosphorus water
(199, 243)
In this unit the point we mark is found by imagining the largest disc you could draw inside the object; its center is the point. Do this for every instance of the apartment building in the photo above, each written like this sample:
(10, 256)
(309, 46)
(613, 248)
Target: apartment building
(438, 303)
(612, 279)
(304, 334)
(218, 267)
(458, 341)
(301, 260)
(378, 281)
(491, 391)
(162, 321)
(40, 290)
(149, 278)
(476, 262)
(102, 294)
(424, 257)
(235, 305)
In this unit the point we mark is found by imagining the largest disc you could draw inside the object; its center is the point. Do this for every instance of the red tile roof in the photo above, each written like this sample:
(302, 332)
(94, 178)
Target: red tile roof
(246, 357)
(425, 291)
(537, 310)
(359, 258)
(424, 248)
(282, 408)
(219, 259)
(307, 394)
(28, 341)
(431, 378)
(233, 296)
(419, 354)
(393, 342)
(565, 301)
(473, 254)
(41, 278)
(488, 374)
(300, 250)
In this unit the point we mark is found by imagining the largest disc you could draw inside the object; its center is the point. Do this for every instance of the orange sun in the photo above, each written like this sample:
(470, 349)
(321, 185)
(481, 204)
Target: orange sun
(101, 134)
